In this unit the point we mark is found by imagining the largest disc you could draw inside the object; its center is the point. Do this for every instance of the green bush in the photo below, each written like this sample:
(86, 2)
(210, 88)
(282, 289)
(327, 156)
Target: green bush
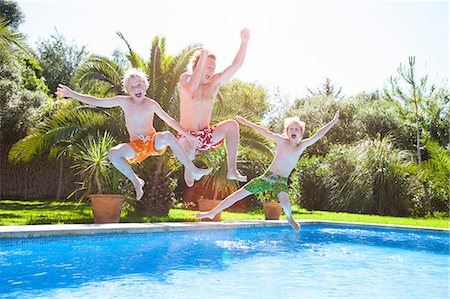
(309, 183)
(369, 178)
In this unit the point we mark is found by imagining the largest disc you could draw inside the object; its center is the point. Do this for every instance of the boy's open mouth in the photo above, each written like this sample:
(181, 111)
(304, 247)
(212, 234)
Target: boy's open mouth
(293, 136)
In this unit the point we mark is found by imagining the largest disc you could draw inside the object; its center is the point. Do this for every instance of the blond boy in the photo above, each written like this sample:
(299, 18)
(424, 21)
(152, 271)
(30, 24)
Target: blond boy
(290, 146)
(197, 94)
(144, 141)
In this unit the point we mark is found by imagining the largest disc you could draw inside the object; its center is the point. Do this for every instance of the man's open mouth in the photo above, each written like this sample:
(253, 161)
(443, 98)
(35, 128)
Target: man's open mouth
(138, 95)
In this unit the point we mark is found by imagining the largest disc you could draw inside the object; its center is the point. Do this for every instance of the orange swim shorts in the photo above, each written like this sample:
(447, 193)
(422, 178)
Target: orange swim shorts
(144, 147)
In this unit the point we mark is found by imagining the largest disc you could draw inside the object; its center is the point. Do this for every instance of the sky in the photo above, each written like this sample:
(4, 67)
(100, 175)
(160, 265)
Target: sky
(294, 45)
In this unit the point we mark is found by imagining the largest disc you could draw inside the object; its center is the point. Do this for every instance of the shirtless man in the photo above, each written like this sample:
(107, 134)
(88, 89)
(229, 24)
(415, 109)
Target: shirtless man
(290, 146)
(144, 141)
(197, 94)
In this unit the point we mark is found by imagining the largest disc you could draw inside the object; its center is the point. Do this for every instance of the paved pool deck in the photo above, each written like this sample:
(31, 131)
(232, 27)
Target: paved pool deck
(35, 231)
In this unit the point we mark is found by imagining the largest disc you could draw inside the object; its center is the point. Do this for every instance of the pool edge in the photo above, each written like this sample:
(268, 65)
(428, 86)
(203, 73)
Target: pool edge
(34, 231)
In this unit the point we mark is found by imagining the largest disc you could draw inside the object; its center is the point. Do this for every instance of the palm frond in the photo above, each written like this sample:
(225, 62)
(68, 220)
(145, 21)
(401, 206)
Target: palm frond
(155, 70)
(12, 43)
(175, 69)
(134, 58)
(64, 128)
(102, 69)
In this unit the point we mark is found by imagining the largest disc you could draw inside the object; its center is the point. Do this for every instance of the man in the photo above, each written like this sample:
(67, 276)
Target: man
(197, 94)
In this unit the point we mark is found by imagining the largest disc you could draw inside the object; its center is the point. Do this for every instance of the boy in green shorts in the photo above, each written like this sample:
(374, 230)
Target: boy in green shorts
(290, 146)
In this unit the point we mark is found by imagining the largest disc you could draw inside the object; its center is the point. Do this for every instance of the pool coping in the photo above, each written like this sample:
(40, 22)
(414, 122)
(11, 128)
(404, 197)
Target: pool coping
(47, 230)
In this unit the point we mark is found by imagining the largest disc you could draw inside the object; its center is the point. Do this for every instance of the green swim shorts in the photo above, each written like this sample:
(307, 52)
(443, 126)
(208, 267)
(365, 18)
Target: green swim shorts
(269, 181)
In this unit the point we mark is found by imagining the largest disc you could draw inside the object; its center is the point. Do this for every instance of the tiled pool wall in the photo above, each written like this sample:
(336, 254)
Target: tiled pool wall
(35, 231)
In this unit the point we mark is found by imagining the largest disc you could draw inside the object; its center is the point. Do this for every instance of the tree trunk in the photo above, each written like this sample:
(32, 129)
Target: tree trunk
(216, 190)
(60, 178)
(419, 159)
(26, 182)
(98, 183)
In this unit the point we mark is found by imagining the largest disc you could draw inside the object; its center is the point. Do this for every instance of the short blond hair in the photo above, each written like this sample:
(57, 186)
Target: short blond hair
(294, 120)
(133, 73)
(196, 57)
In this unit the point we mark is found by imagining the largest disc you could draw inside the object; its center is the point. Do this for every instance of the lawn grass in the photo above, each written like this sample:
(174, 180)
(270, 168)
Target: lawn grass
(24, 212)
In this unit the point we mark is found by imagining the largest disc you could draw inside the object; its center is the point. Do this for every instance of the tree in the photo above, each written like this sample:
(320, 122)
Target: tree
(242, 96)
(327, 90)
(410, 100)
(21, 95)
(10, 11)
(12, 45)
(59, 59)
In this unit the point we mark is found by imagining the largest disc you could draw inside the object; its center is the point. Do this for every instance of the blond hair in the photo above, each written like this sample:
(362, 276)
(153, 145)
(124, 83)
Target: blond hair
(133, 73)
(196, 57)
(293, 120)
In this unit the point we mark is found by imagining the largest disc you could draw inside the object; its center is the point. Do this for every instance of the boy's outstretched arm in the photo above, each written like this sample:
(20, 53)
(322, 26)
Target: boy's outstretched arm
(259, 129)
(174, 124)
(238, 60)
(322, 131)
(65, 91)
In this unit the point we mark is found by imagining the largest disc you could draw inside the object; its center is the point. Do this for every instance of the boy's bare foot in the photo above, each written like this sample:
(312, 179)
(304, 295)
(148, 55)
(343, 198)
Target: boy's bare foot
(234, 175)
(138, 187)
(199, 173)
(188, 178)
(296, 226)
(202, 215)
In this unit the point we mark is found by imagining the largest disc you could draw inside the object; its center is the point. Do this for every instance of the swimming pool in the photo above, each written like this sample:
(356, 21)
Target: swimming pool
(322, 261)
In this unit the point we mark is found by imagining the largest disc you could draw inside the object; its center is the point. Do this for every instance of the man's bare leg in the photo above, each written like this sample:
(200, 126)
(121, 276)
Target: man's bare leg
(164, 139)
(118, 155)
(190, 151)
(229, 129)
(226, 203)
(286, 204)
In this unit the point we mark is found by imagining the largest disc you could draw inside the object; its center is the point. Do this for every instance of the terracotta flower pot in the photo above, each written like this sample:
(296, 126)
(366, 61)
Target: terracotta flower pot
(106, 208)
(205, 205)
(272, 210)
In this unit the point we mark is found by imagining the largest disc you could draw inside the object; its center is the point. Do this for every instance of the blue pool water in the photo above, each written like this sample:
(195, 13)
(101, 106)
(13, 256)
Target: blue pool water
(322, 261)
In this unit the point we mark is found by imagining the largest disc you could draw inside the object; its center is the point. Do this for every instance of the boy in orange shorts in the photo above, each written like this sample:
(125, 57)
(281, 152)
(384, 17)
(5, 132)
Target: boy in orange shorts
(144, 140)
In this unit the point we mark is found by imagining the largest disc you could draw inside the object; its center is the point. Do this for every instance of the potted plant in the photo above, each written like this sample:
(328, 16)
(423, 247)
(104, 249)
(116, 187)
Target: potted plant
(272, 210)
(101, 182)
(205, 204)
(215, 186)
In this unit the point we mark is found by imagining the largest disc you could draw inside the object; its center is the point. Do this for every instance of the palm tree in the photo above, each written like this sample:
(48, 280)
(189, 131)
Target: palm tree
(74, 123)
(435, 171)
(12, 44)
(163, 72)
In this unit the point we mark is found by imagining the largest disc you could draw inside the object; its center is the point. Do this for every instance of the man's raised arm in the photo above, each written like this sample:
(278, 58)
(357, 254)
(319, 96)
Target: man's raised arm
(238, 60)
(191, 82)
